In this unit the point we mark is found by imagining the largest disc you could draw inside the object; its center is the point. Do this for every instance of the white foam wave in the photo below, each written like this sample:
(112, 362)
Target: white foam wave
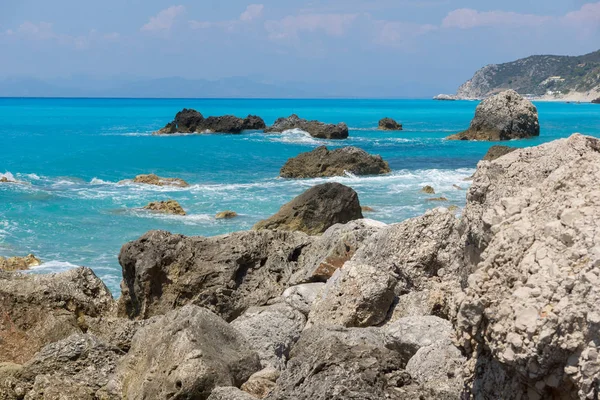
(96, 181)
(54, 266)
(297, 136)
(8, 176)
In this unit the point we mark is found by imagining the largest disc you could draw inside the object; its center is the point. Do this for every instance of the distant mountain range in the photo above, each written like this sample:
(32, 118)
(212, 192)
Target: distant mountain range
(199, 88)
(544, 77)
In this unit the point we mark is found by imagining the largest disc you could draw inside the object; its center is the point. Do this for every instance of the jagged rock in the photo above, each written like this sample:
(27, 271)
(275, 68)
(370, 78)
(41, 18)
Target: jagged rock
(314, 128)
(183, 354)
(271, 332)
(191, 121)
(428, 189)
(166, 207)
(253, 123)
(301, 297)
(226, 215)
(41, 309)
(315, 210)
(261, 383)
(408, 335)
(223, 124)
(504, 116)
(152, 179)
(439, 366)
(19, 263)
(530, 317)
(117, 331)
(321, 162)
(226, 274)
(388, 124)
(497, 151)
(229, 393)
(187, 121)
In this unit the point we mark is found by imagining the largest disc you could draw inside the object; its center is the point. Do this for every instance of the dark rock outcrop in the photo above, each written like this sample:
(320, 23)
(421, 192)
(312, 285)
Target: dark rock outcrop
(388, 124)
(316, 129)
(253, 123)
(166, 207)
(504, 116)
(497, 151)
(596, 101)
(316, 210)
(321, 162)
(191, 121)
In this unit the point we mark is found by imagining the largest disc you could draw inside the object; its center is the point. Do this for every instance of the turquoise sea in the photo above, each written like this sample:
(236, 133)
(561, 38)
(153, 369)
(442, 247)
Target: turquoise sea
(72, 152)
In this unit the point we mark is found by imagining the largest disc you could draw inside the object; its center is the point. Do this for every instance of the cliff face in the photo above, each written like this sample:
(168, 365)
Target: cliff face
(545, 77)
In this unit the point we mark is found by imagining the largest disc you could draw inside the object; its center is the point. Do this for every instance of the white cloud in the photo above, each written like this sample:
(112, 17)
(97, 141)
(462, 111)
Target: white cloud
(292, 25)
(587, 14)
(392, 33)
(41, 30)
(253, 11)
(466, 18)
(164, 20)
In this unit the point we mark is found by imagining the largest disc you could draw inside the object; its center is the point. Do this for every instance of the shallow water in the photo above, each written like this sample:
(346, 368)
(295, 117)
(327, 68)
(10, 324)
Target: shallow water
(72, 152)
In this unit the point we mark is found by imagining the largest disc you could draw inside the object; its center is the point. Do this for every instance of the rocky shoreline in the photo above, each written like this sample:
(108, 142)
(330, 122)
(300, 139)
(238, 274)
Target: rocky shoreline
(500, 302)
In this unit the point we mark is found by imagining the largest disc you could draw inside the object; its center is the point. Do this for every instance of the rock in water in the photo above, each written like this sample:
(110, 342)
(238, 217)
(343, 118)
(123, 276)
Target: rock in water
(504, 116)
(166, 207)
(226, 215)
(321, 162)
(497, 152)
(253, 123)
(19, 263)
(388, 124)
(224, 124)
(191, 121)
(316, 129)
(316, 210)
(445, 97)
(596, 101)
(184, 354)
(428, 189)
(152, 179)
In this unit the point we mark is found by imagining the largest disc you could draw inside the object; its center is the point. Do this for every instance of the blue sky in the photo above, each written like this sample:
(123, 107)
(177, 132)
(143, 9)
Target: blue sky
(437, 43)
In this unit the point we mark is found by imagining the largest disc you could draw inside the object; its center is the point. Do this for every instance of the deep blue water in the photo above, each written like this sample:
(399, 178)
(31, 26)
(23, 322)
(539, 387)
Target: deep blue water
(72, 152)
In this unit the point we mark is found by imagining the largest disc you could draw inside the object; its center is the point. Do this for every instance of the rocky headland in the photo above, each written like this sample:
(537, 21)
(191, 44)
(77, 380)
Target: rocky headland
(500, 303)
(192, 121)
(504, 116)
(322, 162)
(316, 129)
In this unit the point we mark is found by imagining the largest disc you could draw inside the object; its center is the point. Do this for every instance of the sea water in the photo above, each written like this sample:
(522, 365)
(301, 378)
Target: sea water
(71, 153)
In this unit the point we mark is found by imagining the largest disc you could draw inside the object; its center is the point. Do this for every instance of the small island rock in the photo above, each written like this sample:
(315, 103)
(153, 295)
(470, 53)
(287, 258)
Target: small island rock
(166, 207)
(152, 179)
(321, 162)
(388, 124)
(226, 214)
(504, 116)
(191, 121)
(19, 263)
(316, 129)
(428, 189)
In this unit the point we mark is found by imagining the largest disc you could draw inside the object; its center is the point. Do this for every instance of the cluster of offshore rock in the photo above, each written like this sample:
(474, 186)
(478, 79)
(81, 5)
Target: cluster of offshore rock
(499, 303)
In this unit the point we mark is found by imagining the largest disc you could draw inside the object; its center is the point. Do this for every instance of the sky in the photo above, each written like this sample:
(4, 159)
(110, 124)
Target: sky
(434, 44)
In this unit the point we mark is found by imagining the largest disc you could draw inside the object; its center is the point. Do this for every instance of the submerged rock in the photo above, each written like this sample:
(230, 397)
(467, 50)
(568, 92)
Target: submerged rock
(321, 162)
(497, 152)
(166, 207)
(504, 116)
(316, 129)
(428, 189)
(19, 263)
(226, 215)
(316, 210)
(152, 179)
(388, 124)
(191, 121)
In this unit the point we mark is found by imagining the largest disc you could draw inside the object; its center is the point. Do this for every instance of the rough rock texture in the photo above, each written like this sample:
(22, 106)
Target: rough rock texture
(314, 128)
(407, 335)
(321, 162)
(388, 124)
(271, 332)
(315, 210)
(191, 121)
(497, 151)
(437, 199)
(166, 207)
(229, 393)
(262, 383)
(184, 354)
(19, 263)
(226, 215)
(530, 317)
(504, 116)
(226, 274)
(301, 297)
(439, 366)
(39, 309)
(152, 179)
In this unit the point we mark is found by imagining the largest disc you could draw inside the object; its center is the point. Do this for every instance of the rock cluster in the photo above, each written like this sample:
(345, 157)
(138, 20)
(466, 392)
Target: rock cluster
(19, 263)
(501, 303)
(388, 124)
(322, 162)
(191, 121)
(166, 207)
(504, 116)
(316, 129)
(152, 179)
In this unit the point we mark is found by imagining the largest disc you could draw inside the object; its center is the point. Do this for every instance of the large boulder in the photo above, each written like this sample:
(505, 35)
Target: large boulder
(184, 354)
(19, 263)
(321, 162)
(497, 151)
(40, 309)
(504, 116)
(191, 121)
(226, 274)
(165, 207)
(316, 129)
(253, 123)
(388, 124)
(315, 210)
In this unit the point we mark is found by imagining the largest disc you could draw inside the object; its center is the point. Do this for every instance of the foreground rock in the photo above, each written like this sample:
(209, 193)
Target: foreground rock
(497, 152)
(316, 210)
(184, 354)
(191, 121)
(316, 129)
(152, 179)
(19, 263)
(166, 207)
(504, 116)
(321, 162)
(388, 124)
(41, 309)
